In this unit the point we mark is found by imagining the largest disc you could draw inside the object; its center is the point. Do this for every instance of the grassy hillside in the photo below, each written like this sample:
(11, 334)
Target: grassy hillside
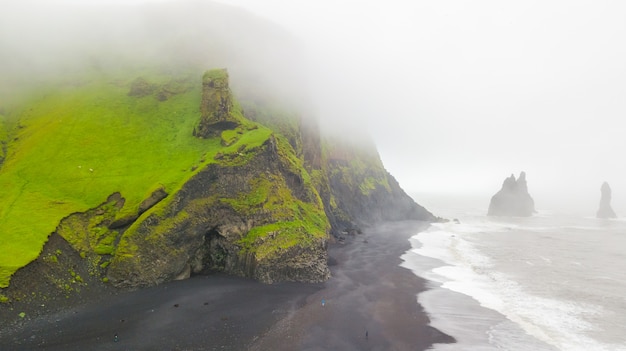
(73, 146)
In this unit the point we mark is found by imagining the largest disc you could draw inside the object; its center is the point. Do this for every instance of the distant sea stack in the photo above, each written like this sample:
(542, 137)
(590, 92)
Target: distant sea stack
(605, 210)
(513, 199)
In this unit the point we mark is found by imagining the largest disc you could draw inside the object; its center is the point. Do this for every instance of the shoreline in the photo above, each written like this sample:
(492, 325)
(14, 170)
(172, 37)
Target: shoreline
(368, 292)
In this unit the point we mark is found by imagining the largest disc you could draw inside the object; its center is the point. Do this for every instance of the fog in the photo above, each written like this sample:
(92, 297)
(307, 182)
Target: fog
(51, 41)
(460, 94)
(457, 95)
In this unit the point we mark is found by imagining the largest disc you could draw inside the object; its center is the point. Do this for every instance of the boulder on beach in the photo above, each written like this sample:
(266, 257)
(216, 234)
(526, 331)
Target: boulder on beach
(513, 199)
(605, 210)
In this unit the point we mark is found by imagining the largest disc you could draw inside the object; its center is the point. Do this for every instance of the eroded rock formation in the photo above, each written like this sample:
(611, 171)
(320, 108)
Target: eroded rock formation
(217, 106)
(226, 218)
(260, 203)
(513, 199)
(605, 210)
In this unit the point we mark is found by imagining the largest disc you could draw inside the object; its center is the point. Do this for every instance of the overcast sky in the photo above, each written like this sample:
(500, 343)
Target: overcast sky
(460, 94)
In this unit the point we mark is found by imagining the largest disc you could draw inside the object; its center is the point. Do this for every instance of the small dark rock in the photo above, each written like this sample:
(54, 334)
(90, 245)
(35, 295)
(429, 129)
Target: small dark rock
(141, 87)
(154, 199)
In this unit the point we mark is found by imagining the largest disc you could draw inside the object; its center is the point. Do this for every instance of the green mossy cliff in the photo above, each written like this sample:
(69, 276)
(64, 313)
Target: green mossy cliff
(259, 197)
(217, 109)
(254, 218)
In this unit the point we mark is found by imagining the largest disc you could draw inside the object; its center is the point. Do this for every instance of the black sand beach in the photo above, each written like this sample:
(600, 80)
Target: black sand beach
(368, 293)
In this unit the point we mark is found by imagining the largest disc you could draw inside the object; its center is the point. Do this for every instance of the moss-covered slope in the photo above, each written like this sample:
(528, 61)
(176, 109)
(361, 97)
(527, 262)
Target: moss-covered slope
(361, 191)
(112, 167)
(349, 176)
(258, 216)
(72, 149)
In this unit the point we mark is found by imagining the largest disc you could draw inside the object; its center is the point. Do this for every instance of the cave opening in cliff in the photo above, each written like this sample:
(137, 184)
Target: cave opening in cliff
(223, 125)
(215, 251)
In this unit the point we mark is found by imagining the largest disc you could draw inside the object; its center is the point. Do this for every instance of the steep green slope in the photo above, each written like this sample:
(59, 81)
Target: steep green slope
(75, 146)
(347, 172)
(362, 192)
(251, 211)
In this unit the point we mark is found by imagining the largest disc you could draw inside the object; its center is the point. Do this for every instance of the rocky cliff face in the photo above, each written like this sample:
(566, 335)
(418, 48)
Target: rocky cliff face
(118, 191)
(605, 210)
(513, 199)
(217, 107)
(261, 211)
(349, 176)
(361, 191)
(261, 203)
(230, 218)
(251, 212)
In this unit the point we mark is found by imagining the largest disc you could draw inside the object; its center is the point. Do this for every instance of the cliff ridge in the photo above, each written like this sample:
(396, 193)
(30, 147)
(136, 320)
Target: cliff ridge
(258, 195)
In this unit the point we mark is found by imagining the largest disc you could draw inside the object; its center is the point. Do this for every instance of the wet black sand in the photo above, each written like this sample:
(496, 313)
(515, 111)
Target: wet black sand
(369, 291)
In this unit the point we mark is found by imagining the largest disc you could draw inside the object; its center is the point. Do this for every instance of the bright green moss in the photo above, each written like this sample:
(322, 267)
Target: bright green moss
(299, 223)
(268, 240)
(78, 145)
(247, 203)
(362, 173)
(368, 185)
(245, 148)
(89, 232)
(216, 75)
(230, 136)
(277, 118)
(105, 249)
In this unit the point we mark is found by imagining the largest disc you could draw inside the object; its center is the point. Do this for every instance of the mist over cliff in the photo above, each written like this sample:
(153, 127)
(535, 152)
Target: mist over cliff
(481, 85)
(45, 41)
(183, 141)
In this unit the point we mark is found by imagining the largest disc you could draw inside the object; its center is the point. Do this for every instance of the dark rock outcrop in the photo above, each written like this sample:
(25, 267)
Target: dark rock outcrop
(217, 105)
(59, 278)
(364, 199)
(205, 226)
(350, 177)
(605, 210)
(145, 205)
(513, 199)
(260, 205)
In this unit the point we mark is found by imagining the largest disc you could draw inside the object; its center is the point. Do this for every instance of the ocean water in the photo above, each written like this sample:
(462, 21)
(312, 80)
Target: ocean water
(548, 282)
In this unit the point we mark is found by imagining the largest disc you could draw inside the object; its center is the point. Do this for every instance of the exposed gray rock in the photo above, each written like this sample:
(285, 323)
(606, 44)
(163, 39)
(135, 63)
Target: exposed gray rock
(513, 199)
(199, 232)
(605, 210)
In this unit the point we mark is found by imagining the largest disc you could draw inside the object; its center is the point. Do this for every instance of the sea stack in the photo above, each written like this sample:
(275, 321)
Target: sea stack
(605, 210)
(513, 199)
(218, 112)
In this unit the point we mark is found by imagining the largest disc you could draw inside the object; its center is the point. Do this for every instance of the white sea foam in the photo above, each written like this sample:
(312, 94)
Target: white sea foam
(466, 270)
